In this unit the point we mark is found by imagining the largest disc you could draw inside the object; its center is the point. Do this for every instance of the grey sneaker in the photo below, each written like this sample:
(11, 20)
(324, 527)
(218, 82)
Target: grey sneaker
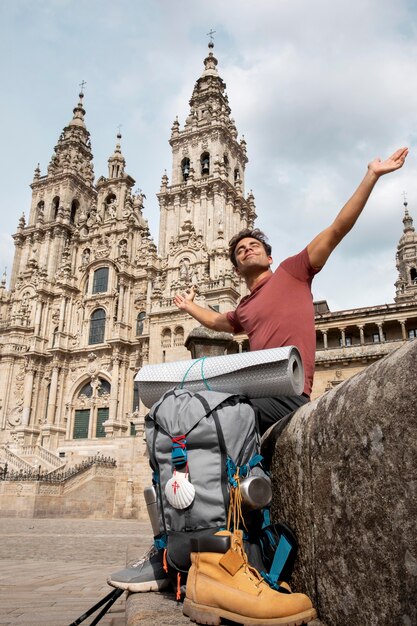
(147, 574)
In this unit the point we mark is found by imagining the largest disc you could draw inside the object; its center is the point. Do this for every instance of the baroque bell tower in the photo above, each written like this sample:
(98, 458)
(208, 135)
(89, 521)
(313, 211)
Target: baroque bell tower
(406, 285)
(202, 207)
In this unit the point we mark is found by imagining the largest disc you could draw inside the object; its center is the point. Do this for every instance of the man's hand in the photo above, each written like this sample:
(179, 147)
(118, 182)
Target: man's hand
(182, 300)
(394, 162)
(206, 317)
(323, 245)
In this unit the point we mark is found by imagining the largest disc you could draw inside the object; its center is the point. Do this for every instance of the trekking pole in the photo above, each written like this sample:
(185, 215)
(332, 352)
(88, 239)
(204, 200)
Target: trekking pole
(110, 599)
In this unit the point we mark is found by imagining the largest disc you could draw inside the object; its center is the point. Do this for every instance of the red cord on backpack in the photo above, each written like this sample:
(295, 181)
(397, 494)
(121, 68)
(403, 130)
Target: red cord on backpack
(178, 596)
(165, 562)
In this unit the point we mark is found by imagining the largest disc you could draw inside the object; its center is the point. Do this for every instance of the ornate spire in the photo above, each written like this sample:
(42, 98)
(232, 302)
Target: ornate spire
(406, 284)
(117, 161)
(210, 62)
(79, 111)
(73, 151)
(209, 102)
(407, 220)
(37, 172)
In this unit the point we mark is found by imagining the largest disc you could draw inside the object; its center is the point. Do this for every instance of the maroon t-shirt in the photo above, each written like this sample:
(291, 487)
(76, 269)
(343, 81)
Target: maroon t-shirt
(279, 312)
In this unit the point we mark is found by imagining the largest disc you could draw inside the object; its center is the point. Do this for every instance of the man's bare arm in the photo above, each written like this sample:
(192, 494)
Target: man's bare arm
(323, 245)
(206, 317)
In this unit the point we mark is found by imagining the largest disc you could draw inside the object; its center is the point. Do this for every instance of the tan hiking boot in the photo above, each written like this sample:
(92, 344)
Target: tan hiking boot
(221, 585)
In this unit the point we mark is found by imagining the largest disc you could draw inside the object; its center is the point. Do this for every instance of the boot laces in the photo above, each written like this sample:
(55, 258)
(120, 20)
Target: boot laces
(234, 519)
(146, 557)
(248, 570)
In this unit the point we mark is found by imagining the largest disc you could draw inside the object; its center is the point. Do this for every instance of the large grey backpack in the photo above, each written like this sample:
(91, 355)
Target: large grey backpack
(209, 435)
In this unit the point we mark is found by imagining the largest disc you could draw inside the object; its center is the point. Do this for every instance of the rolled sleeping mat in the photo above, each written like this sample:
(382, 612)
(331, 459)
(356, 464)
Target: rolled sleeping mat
(259, 374)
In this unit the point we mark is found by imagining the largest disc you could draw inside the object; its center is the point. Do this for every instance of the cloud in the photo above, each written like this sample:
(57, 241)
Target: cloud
(317, 88)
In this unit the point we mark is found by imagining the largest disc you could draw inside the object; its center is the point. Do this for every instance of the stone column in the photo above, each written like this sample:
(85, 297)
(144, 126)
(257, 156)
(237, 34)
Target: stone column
(93, 410)
(362, 335)
(324, 333)
(50, 415)
(381, 333)
(403, 331)
(114, 389)
(60, 396)
(149, 292)
(68, 317)
(62, 314)
(27, 394)
(342, 337)
(38, 316)
(121, 301)
(122, 389)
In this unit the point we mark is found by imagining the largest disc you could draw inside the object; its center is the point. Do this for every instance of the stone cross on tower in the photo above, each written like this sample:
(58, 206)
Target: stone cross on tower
(210, 34)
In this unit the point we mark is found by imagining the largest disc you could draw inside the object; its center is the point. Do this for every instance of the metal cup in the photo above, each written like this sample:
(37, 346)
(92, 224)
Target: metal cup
(256, 492)
(152, 505)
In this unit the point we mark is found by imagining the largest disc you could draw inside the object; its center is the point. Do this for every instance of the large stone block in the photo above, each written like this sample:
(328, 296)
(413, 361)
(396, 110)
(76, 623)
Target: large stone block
(345, 478)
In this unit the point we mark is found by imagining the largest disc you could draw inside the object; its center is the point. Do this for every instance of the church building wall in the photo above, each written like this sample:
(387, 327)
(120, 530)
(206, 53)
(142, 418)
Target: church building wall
(91, 295)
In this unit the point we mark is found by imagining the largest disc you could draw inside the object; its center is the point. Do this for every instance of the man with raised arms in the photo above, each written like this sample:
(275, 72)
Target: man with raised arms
(279, 308)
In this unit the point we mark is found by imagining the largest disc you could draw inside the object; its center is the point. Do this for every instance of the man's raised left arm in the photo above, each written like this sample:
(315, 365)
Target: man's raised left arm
(323, 245)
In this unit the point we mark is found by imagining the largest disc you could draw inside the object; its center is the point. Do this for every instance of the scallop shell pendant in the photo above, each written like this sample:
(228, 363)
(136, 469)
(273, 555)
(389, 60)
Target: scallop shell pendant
(179, 491)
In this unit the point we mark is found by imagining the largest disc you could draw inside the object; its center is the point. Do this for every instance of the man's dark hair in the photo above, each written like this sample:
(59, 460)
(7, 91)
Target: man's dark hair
(254, 233)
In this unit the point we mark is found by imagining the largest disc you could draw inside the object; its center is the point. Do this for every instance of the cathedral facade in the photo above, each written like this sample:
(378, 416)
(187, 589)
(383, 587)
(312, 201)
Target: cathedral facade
(91, 295)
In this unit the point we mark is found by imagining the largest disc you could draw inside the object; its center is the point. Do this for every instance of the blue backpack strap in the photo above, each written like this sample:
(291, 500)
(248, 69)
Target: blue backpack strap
(279, 541)
(244, 470)
(280, 558)
(160, 542)
(266, 517)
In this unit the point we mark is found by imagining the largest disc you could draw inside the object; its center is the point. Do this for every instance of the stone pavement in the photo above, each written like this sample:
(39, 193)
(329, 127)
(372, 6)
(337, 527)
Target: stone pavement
(52, 571)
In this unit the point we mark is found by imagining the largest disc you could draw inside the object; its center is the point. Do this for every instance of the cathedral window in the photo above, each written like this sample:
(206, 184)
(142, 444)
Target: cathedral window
(179, 336)
(103, 387)
(205, 163)
(237, 174)
(376, 338)
(166, 338)
(97, 326)
(412, 333)
(349, 341)
(140, 322)
(74, 208)
(86, 391)
(413, 275)
(101, 279)
(185, 167)
(81, 423)
(91, 409)
(55, 206)
(54, 336)
(102, 416)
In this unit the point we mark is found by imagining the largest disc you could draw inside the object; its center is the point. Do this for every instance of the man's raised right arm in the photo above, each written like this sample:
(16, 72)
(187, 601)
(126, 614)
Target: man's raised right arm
(206, 317)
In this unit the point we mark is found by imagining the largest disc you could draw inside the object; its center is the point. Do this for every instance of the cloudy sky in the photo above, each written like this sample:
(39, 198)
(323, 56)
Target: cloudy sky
(318, 88)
